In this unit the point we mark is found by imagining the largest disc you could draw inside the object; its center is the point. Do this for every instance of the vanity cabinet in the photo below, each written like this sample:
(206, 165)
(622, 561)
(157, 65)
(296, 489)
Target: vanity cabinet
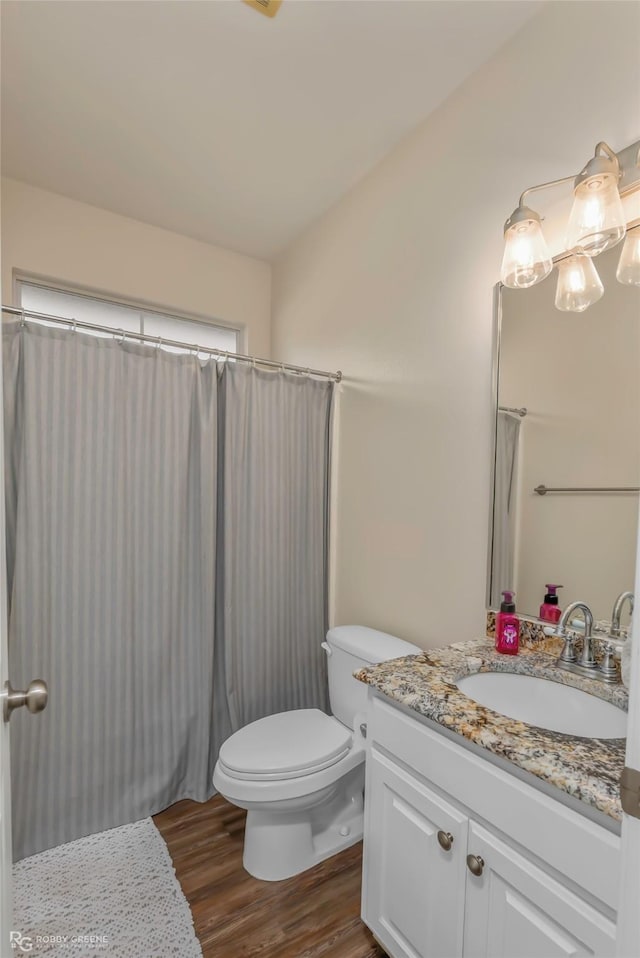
(540, 882)
(414, 890)
(516, 910)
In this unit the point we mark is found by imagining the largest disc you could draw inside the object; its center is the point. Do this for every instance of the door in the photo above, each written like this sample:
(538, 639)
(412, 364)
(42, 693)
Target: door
(35, 699)
(413, 871)
(515, 910)
(5, 774)
(628, 943)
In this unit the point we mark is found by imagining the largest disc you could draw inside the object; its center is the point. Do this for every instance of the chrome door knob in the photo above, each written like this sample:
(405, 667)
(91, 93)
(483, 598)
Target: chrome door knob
(445, 840)
(475, 864)
(35, 698)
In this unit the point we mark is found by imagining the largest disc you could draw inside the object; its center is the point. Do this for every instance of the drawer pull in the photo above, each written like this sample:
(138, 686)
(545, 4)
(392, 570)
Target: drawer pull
(475, 864)
(446, 840)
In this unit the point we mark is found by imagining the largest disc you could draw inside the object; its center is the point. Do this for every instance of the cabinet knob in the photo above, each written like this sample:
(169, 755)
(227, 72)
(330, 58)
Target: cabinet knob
(445, 839)
(475, 864)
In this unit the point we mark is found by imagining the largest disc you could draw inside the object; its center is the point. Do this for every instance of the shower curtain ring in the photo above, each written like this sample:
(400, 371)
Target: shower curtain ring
(159, 342)
(22, 319)
(75, 326)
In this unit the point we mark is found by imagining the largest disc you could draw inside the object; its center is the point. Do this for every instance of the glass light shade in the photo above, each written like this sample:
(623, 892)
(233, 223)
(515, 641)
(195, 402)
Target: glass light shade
(597, 220)
(526, 258)
(579, 285)
(628, 270)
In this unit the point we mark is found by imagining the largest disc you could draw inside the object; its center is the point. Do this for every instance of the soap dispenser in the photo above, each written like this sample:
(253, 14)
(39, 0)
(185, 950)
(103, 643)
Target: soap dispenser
(550, 610)
(507, 626)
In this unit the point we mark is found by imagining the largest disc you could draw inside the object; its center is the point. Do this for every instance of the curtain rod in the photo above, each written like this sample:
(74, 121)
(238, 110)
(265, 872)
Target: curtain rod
(122, 334)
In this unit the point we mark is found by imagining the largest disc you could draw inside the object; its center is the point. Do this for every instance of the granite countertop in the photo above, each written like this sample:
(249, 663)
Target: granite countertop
(588, 769)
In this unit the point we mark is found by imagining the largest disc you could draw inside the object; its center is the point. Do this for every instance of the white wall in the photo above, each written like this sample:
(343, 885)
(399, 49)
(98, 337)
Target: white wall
(58, 238)
(394, 286)
(578, 375)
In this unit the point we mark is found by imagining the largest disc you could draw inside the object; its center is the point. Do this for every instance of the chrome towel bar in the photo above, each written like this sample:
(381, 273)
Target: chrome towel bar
(542, 490)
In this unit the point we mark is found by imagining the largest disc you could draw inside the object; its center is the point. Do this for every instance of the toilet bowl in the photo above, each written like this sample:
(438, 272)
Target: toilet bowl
(300, 774)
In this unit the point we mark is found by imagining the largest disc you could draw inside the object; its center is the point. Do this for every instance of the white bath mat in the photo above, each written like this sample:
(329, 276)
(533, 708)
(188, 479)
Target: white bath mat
(111, 895)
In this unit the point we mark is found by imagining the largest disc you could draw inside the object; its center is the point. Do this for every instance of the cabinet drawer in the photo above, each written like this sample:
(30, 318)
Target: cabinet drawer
(578, 848)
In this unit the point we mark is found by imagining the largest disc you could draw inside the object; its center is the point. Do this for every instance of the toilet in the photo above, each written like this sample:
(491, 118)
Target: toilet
(300, 774)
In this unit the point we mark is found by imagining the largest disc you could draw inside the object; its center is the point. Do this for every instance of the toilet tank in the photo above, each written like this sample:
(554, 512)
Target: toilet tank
(351, 647)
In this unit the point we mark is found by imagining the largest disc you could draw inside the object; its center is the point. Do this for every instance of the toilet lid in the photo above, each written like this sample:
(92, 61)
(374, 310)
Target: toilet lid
(286, 745)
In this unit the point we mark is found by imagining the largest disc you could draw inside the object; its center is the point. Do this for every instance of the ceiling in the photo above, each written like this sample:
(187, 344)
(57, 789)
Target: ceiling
(214, 121)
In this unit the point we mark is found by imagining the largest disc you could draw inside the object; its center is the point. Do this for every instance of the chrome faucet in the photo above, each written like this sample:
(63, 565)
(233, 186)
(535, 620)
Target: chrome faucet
(568, 656)
(617, 611)
(587, 665)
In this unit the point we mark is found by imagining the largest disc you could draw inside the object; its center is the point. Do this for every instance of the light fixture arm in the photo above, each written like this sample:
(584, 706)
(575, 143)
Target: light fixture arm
(544, 186)
(603, 162)
(606, 149)
(601, 148)
(523, 212)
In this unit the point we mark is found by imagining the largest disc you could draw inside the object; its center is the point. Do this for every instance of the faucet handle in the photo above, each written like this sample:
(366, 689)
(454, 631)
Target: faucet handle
(568, 653)
(608, 666)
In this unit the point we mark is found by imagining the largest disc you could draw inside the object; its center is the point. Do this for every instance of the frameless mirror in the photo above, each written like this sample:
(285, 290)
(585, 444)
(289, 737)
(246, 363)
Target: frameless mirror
(578, 377)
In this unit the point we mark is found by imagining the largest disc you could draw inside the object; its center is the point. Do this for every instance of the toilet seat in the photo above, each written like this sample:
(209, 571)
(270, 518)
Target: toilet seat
(286, 745)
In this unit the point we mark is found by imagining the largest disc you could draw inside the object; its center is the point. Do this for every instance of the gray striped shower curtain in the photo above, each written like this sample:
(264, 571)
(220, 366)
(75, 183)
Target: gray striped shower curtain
(166, 553)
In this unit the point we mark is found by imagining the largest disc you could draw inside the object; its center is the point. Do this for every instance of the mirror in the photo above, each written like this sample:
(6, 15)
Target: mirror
(578, 377)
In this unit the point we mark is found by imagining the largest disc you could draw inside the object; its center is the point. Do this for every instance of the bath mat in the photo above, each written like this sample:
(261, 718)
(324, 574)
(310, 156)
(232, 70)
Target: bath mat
(110, 895)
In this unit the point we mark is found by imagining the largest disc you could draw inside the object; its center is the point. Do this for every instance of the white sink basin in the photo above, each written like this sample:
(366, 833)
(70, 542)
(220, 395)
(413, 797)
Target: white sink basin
(549, 705)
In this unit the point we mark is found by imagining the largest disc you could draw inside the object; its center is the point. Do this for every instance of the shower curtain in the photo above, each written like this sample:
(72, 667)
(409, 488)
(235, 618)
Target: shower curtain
(273, 538)
(504, 506)
(132, 475)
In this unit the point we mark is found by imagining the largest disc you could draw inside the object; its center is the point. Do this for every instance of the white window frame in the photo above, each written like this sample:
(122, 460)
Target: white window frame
(143, 306)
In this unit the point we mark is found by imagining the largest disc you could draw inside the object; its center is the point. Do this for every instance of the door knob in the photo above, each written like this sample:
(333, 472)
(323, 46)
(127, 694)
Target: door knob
(475, 864)
(35, 698)
(445, 840)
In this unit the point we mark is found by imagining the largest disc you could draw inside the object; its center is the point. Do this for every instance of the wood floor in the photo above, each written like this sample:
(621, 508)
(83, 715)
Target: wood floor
(314, 915)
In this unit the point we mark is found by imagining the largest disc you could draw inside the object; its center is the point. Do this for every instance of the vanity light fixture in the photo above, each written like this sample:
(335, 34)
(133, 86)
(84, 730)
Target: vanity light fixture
(597, 222)
(526, 258)
(628, 271)
(579, 285)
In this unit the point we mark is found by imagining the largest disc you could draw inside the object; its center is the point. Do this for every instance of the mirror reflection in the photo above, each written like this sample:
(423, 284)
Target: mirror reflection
(577, 375)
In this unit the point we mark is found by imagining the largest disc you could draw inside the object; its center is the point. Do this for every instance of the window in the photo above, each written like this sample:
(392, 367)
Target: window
(118, 316)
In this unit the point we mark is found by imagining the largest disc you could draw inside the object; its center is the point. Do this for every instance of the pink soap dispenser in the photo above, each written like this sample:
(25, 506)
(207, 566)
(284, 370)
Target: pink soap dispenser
(507, 626)
(550, 610)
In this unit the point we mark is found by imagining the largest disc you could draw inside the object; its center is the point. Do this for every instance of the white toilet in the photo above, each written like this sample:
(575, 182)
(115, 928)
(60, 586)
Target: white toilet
(300, 774)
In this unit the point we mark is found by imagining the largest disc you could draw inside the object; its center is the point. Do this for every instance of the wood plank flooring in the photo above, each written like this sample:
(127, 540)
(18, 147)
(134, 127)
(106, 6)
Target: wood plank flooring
(314, 915)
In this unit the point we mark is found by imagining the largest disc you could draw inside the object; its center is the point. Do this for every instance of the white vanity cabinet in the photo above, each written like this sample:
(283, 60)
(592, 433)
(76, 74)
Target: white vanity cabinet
(516, 910)
(414, 895)
(546, 881)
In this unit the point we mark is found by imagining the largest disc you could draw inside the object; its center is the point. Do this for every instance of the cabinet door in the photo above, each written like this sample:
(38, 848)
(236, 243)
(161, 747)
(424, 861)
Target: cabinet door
(413, 888)
(515, 910)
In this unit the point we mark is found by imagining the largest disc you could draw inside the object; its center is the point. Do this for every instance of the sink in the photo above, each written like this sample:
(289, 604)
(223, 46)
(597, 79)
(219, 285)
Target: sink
(549, 705)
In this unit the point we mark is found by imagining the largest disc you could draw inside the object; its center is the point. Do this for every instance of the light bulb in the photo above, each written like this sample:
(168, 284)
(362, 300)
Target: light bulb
(579, 285)
(597, 220)
(526, 258)
(628, 270)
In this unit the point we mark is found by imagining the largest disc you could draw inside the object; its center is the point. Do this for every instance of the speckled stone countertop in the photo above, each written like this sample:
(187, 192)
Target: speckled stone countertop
(588, 769)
